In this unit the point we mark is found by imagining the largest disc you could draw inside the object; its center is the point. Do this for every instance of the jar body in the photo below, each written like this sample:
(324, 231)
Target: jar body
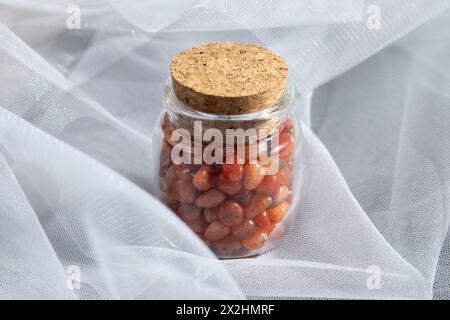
(235, 195)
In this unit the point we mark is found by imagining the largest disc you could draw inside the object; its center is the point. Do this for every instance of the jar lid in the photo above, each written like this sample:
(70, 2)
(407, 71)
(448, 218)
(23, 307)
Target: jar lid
(228, 78)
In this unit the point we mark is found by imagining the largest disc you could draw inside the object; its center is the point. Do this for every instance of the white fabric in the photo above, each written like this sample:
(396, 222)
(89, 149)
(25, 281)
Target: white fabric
(78, 150)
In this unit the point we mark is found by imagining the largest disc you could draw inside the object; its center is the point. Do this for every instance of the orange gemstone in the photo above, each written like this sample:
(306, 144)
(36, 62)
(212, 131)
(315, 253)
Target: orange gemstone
(204, 179)
(281, 195)
(262, 219)
(287, 146)
(285, 176)
(227, 186)
(256, 241)
(210, 199)
(231, 213)
(228, 245)
(253, 175)
(189, 212)
(277, 213)
(258, 204)
(233, 171)
(184, 191)
(216, 231)
(183, 171)
(243, 197)
(244, 230)
(269, 185)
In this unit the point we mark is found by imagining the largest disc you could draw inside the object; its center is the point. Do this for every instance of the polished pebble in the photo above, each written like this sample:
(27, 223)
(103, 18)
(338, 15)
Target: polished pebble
(228, 245)
(287, 146)
(231, 213)
(211, 214)
(184, 191)
(183, 172)
(253, 175)
(210, 199)
(262, 219)
(243, 197)
(198, 225)
(227, 186)
(244, 230)
(258, 204)
(216, 231)
(256, 241)
(285, 176)
(204, 179)
(281, 195)
(234, 171)
(189, 212)
(269, 185)
(277, 213)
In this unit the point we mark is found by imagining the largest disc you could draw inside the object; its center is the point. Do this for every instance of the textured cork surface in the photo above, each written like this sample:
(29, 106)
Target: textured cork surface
(228, 77)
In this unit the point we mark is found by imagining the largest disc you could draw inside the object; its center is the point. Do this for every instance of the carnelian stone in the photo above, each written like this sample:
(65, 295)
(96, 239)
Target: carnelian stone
(281, 195)
(211, 214)
(269, 185)
(204, 179)
(243, 197)
(256, 241)
(184, 191)
(228, 245)
(262, 219)
(285, 176)
(258, 204)
(216, 231)
(227, 186)
(233, 171)
(189, 212)
(244, 230)
(210, 199)
(287, 146)
(231, 213)
(253, 175)
(198, 225)
(183, 171)
(279, 212)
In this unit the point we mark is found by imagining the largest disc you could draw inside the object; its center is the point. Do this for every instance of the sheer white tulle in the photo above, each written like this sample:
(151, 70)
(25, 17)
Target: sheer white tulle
(78, 110)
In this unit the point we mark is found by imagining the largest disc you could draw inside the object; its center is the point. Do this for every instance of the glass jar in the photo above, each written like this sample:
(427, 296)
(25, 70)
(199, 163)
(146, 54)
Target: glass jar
(238, 206)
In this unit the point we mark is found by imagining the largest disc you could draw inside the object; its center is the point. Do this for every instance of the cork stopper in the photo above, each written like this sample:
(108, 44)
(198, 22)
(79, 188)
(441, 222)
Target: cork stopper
(228, 78)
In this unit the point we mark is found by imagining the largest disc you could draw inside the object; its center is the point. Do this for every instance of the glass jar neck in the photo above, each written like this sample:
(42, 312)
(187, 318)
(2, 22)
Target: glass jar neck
(271, 119)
